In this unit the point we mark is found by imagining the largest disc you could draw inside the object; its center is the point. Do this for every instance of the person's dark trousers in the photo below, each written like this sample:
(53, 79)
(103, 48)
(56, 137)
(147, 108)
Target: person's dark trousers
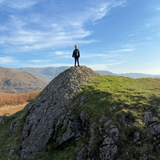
(76, 59)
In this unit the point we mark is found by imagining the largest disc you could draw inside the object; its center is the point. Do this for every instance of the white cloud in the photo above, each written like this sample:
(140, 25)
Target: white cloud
(39, 61)
(21, 4)
(115, 63)
(123, 50)
(157, 8)
(37, 30)
(62, 52)
(7, 60)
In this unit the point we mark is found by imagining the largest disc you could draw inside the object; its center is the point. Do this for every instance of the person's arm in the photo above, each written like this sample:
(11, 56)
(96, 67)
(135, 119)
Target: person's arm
(79, 53)
(73, 54)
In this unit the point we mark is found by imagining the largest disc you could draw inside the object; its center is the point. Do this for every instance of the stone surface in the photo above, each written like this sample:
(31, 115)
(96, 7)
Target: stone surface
(79, 154)
(82, 101)
(149, 117)
(153, 127)
(107, 152)
(145, 157)
(44, 113)
(10, 153)
(123, 120)
(108, 148)
(13, 126)
(1, 121)
(136, 136)
(91, 140)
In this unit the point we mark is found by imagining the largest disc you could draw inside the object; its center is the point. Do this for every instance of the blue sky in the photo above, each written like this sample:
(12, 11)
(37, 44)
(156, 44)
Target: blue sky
(120, 36)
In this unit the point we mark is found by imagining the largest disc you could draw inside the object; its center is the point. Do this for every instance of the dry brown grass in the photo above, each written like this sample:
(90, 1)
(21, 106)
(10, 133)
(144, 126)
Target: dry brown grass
(16, 99)
(9, 109)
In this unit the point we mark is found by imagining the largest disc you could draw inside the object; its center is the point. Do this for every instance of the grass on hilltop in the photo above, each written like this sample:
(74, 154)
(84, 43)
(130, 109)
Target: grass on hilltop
(112, 96)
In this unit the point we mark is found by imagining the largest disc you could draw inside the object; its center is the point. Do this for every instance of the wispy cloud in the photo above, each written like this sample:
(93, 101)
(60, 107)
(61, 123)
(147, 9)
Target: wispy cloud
(39, 61)
(123, 50)
(62, 52)
(19, 4)
(157, 8)
(7, 60)
(34, 30)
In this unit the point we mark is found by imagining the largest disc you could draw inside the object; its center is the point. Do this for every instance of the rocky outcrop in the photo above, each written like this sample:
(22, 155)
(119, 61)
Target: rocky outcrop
(109, 135)
(48, 119)
(149, 118)
(153, 127)
(1, 121)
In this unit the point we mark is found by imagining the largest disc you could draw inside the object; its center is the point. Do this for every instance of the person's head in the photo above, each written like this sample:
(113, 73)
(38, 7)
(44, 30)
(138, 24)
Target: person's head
(76, 46)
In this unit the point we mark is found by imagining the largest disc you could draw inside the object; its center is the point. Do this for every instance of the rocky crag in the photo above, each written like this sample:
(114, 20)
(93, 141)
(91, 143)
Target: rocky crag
(63, 116)
(47, 113)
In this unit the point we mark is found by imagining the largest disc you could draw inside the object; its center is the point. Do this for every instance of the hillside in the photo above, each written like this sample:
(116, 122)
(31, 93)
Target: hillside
(11, 103)
(19, 82)
(82, 115)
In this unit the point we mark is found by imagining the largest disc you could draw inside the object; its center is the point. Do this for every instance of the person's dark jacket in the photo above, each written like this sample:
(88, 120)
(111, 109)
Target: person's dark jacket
(76, 53)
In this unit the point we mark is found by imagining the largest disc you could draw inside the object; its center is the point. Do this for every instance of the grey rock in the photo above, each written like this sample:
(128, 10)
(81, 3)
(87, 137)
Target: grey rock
(1, 121)
(113, 132)
(107, 152)
(145, 157)
(107, 141)
(149, 117)
(10, 153)
(108, 148)
(107, 123)
(79, 154)
(13, 126)
(153, 129)
(66, 136)
(83, 116)
(136, 136)
(101, 119)
(47, 111)
(123, 120)
(82, 101)
(91, 140)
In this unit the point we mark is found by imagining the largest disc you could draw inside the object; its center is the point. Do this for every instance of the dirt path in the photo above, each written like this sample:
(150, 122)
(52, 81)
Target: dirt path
(9, 110)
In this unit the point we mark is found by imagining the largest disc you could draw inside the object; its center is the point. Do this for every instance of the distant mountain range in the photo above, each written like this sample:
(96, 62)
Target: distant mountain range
(139, 75)
(19, 82)
(45, 74)
(48, 73)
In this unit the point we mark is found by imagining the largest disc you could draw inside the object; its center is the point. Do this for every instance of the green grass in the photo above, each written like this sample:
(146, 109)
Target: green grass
(109, 95)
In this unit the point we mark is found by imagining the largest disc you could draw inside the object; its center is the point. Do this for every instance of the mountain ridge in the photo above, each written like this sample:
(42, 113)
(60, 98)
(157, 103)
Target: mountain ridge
(58, 70)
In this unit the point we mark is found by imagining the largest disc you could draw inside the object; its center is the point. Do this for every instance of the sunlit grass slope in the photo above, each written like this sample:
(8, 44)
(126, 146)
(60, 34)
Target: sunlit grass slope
(112, 96)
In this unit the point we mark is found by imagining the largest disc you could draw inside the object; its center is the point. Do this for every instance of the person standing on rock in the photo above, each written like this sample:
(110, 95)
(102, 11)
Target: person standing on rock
(76, 55)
